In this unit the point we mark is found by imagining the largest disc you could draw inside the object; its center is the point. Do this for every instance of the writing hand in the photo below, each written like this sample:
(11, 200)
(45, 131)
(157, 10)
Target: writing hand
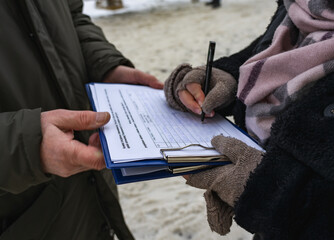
(183, 89)
(61, 154)
(193, 97)
(124, 74)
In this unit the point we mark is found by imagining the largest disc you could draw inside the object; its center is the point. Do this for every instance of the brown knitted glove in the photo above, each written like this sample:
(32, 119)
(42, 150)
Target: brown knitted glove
(222, 87)
(226, 182)
(219, 213)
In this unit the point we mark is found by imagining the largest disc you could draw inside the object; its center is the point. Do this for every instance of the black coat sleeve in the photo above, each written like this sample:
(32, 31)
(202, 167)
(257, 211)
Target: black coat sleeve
(291, 193)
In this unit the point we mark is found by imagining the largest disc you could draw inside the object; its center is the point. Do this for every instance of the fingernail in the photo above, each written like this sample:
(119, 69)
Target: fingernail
(101, 117)
(198, 111)
(200, 103)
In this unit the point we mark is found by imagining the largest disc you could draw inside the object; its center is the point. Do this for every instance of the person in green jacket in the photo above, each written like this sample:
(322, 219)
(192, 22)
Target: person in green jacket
(53, 181)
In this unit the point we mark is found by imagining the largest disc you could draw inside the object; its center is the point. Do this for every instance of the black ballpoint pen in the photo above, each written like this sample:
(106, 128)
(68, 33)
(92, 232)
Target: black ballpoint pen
(211, 53)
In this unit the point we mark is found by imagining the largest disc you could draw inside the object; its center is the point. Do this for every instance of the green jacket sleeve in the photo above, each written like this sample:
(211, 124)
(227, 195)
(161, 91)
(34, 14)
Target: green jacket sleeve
(100, 55)
(20, 151)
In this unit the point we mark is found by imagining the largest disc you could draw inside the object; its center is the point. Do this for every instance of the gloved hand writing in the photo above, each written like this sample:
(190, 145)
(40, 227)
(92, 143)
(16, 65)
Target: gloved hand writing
(183, 89)
(225, 184)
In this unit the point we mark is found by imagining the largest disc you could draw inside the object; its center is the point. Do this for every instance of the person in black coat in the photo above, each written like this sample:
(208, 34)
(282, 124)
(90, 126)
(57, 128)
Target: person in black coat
(283, 96)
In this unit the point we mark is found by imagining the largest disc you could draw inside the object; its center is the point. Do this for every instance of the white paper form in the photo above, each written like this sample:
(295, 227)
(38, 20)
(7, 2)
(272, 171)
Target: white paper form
(142, 123)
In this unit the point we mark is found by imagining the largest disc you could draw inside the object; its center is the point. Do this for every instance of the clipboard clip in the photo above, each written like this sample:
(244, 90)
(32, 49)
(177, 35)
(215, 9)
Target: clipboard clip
(192, 158)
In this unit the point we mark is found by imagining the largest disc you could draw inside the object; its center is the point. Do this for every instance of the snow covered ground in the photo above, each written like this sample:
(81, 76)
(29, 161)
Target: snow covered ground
(131, 6)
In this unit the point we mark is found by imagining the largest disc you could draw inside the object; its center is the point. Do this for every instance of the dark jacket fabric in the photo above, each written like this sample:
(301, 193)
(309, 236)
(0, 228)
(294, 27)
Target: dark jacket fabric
(49, 50)
(291, 193)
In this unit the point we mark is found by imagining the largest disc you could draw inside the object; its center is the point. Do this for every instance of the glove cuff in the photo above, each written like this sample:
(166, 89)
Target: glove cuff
(219, 213)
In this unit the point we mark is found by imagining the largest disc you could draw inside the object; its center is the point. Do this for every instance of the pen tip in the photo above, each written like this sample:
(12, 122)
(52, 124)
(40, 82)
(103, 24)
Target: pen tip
(202, 117)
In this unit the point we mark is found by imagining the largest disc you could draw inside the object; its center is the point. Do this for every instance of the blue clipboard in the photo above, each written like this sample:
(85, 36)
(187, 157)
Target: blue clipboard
(116, 167)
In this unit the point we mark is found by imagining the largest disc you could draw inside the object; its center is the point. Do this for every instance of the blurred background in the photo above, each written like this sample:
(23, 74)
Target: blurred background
(158, 35)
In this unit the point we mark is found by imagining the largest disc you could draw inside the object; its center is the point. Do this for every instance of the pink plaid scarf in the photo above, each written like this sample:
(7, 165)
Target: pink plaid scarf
(302, 52)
